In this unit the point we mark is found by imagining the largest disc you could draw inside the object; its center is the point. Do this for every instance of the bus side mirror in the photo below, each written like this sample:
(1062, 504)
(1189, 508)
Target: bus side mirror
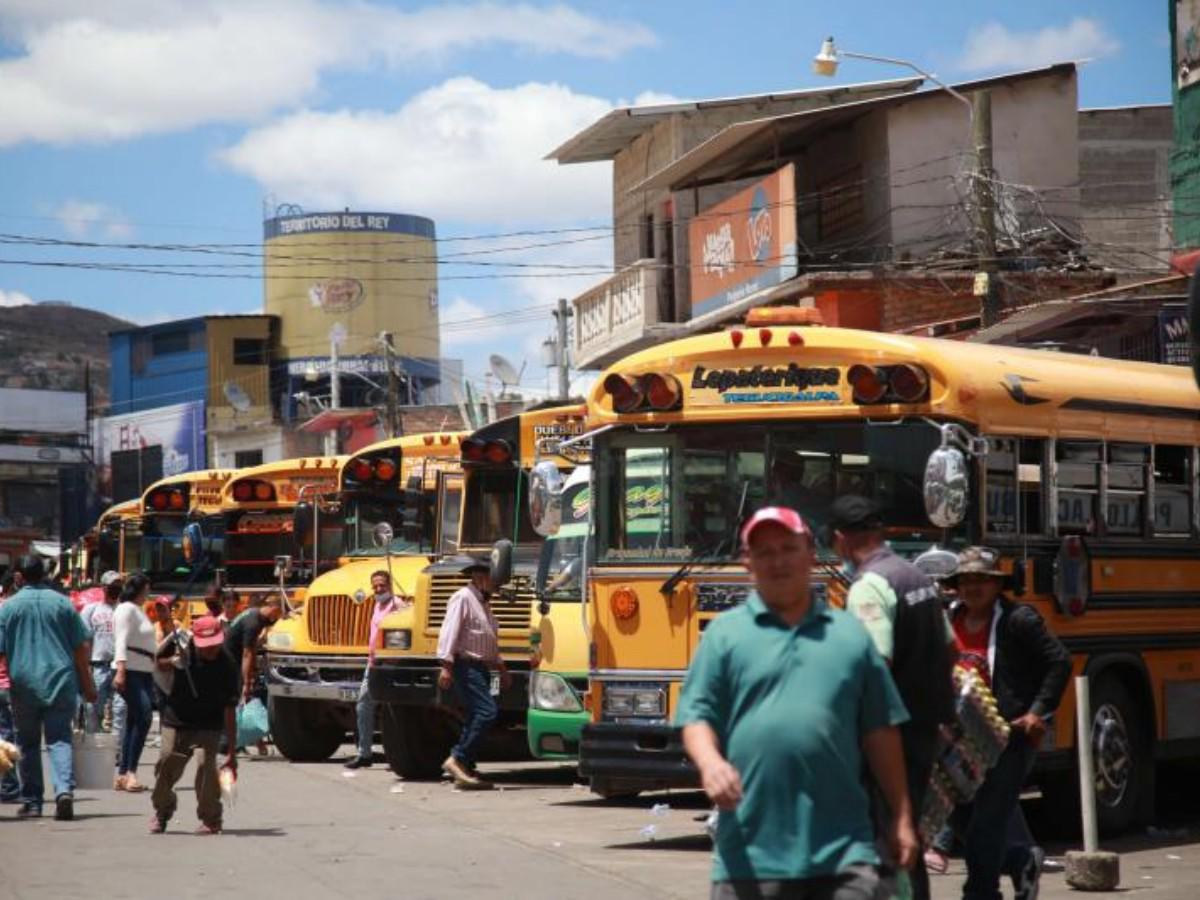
(193, 543)
(545, 498)
(946, 487)
(382, 535)
(501, 563)
(302, 516)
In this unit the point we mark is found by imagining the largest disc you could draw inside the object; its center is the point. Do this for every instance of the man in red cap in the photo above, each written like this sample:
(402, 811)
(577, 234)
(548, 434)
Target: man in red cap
(201, 700)
(784, 701)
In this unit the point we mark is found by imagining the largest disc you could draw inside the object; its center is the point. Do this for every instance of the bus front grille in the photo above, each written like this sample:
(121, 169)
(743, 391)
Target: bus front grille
(511, 615)
(335, 620)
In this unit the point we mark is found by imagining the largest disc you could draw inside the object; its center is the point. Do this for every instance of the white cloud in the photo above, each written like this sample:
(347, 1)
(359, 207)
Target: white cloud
(87, 71)
(994, 46)
(461, 151)
(13, 298)
(84, 218)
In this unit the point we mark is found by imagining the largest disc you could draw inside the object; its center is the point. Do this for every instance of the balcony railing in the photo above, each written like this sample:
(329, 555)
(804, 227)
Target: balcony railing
(615, 314)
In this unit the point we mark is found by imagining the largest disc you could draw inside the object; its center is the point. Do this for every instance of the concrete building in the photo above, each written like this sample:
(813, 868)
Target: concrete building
(767, 209)
(43, 444)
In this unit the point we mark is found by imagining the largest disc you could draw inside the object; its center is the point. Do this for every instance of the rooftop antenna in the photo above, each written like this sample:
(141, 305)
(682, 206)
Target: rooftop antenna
(237, 397)
(506, 373)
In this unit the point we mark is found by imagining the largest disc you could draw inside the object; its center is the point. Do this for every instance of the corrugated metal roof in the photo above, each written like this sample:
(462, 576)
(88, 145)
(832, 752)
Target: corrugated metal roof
(613, 132)
(732, 148)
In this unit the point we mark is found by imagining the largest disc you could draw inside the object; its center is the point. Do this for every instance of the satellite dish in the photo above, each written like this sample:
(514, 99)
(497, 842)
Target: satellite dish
(506, 373)
(237, 397)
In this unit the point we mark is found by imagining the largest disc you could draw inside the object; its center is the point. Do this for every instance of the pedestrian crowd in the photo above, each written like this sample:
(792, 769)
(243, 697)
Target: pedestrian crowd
(815, 730)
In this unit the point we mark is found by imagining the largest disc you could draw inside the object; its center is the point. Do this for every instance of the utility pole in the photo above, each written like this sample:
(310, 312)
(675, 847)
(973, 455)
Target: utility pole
(986, 287)
(393, 384)
(562, 315)
(335, 392)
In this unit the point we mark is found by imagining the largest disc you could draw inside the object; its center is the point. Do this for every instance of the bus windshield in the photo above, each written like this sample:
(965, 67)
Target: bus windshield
(496, 508)
(161, 550)
(560, 568)
(683, 493)
(364, 512)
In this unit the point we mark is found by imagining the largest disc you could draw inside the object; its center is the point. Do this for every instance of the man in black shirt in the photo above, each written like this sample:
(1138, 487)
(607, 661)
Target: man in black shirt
(245, 632)
(202, 700)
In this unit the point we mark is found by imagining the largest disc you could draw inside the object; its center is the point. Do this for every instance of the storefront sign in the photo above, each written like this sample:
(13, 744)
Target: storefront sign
(1174, 337)
(745, 243)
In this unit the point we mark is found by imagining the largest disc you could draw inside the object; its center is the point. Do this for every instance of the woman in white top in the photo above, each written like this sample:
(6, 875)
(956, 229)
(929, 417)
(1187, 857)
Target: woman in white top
(133, 659)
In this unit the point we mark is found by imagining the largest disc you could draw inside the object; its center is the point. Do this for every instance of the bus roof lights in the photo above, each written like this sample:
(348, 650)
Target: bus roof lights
(735, 337)
(360, 470)
(158, 500)
(663, 392)
(795, 339)
(870, 383)
(176, 500)
(263, 491)
(765, 335)
(909, 383)
(428, 440)
(626, 392)
(445, 439)
(472, 450)
(497, 452)
(242, 491)
(385, 469)
(624, 603)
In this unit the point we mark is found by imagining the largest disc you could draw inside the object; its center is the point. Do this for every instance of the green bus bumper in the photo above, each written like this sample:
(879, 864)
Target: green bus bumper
(555, 735)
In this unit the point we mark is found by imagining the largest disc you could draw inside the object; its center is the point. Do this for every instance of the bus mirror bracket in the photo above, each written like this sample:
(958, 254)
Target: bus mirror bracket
(545, 498)
(501, 563)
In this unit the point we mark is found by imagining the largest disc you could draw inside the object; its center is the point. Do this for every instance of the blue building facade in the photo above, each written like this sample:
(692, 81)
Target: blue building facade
(158, 365)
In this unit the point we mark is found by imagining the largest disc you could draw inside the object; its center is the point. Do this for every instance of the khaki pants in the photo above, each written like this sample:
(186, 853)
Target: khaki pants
(177, 748)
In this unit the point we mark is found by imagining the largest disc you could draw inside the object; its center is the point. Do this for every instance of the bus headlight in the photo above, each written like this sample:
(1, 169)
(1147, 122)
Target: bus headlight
(279, 640)
(635, 701)
(551, 692)
(397, 638)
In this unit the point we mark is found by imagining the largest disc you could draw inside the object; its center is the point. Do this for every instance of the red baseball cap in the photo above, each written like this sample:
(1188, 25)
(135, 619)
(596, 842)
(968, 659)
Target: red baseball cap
(780, 515)
(207, 632)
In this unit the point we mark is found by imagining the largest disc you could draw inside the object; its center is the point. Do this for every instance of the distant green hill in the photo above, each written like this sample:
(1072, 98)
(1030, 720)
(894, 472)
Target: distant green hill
(49, 345)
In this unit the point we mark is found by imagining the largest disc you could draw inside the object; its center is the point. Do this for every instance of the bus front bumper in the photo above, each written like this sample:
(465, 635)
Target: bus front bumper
(650, 755)
(413, 682)
(555, 735)
(335, 679)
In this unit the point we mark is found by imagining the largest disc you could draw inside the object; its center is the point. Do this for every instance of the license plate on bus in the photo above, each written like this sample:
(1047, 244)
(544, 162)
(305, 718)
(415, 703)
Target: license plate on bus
(348, 694)
(494, 687)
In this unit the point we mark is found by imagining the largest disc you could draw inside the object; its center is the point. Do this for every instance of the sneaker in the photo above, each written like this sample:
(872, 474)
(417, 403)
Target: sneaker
(30, 811)
(158, 825)
(208, 829)
(1028, 881)
(359, 762)
(461, 775)
(64, 808)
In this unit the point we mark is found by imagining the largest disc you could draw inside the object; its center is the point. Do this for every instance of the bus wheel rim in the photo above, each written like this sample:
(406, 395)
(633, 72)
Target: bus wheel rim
(1113, 755)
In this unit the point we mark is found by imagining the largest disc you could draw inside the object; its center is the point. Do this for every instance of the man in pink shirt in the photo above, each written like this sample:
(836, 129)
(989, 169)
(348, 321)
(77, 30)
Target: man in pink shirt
(469, 650)
(385, 603)
(10, 786)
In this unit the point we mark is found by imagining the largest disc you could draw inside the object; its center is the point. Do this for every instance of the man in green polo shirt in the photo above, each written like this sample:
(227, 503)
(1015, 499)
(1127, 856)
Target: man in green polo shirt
(782, 702)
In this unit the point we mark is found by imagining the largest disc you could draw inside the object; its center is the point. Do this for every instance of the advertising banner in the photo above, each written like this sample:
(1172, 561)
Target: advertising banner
(1174, 336)
(745, 243)
(178, 429)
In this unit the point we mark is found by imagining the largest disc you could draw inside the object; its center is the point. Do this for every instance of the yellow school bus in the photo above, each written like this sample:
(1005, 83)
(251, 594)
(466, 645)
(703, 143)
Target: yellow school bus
(167, 508)
(270, 514)
(115, 541)
(418, 723)
(388, 497)
(1082, 471)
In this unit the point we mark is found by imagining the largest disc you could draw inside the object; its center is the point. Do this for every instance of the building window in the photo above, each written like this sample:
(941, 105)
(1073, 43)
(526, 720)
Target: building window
(243, 459)
(249, 352)
(164, 343)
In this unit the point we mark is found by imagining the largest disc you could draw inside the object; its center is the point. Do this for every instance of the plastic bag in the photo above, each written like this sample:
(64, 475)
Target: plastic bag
(228, 780)
(252, 725)
(93, 760)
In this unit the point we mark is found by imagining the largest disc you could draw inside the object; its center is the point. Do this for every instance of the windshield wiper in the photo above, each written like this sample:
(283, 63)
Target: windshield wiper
(702, 555)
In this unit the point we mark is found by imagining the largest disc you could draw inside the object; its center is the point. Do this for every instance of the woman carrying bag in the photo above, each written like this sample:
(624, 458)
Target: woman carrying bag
(134, 661)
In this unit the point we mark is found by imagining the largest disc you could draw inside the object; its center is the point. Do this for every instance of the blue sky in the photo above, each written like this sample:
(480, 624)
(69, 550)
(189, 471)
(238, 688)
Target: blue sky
(170, 121)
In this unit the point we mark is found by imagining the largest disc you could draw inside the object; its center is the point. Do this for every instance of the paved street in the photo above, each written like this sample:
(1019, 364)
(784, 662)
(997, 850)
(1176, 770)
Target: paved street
(302, 831)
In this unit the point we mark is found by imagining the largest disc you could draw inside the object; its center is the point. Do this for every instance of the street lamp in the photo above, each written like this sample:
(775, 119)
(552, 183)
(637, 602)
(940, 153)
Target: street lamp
(826, 63)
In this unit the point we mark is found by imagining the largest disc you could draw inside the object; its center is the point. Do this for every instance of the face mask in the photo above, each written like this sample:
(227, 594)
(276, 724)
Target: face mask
(380, 596)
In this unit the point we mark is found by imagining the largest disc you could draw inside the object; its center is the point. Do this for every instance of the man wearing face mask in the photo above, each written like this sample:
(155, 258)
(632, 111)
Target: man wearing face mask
(385, 603)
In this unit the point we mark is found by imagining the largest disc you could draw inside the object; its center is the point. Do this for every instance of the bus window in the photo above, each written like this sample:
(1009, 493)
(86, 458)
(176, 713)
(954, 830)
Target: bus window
(497, 508)
(1001, 462)
(1125, 505)
(1031, 485)
(1172, 490)
(1078, 486)
(451, 507)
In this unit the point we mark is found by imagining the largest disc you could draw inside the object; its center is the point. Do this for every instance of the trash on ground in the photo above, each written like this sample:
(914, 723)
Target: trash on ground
(660, 809)
(349, 774)
(1174, 856)
(649, 832)
(397, 789)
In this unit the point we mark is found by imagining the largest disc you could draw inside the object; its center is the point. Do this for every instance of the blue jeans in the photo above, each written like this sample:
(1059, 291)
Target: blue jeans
(139, 703)
(364, 713)
(10, 784)
(991, 830)
(102, 674)
(472, 684)
(32, 718)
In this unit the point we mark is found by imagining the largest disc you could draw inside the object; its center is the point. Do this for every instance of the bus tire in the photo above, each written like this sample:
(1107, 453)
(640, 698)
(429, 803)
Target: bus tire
(416, 740)
(302, 731)
(1123, 758)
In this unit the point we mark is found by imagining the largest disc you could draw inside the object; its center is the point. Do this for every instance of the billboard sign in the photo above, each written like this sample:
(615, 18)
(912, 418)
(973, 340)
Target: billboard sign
(745, 243)
(178, 429)
(1174, 336)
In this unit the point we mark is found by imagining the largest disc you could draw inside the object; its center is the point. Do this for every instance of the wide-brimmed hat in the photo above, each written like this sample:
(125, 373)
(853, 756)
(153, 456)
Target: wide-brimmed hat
(977, 561)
